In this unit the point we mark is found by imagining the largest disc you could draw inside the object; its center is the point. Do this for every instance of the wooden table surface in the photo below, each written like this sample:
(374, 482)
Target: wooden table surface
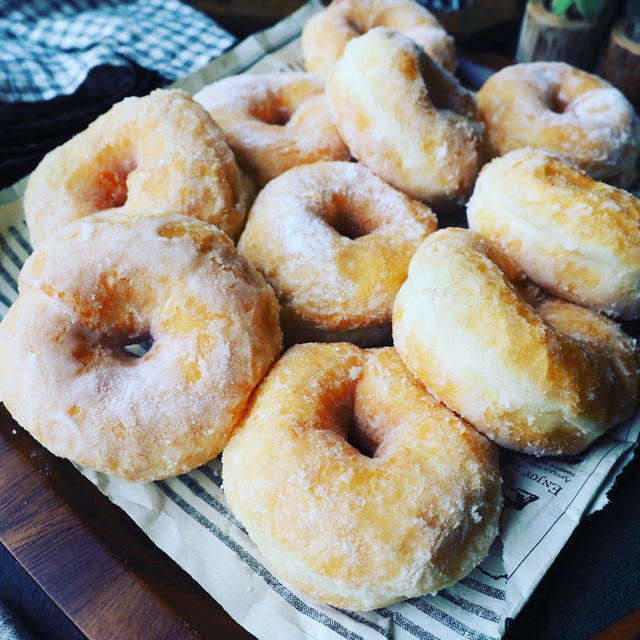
(89, 556)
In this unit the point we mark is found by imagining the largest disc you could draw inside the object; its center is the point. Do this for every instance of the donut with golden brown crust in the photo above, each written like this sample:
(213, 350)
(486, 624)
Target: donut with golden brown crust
(326, 34)
(359, 488)
(105, 281)
(547, 379)
(572, 235)
(161, 152)
(554, 106)
(334, 241)
(274, 121)
(406, 118)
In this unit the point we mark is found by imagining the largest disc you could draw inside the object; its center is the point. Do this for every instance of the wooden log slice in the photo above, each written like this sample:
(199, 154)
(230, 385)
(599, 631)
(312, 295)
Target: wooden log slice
(622, 62)
(549, 36)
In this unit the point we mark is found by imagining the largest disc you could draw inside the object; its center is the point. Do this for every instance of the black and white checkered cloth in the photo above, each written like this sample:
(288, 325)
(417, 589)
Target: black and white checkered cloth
(48, 47)
(64, 62)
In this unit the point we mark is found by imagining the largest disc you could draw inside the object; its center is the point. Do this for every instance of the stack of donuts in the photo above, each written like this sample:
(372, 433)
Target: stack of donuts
(298, 209)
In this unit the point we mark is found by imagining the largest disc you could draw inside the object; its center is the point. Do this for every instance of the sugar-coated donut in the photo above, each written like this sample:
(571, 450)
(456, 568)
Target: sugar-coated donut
(543, 380)
(335, 242)
(410, 507)
(113, 279)
(159, 152)
(554, 106)
(576, 237)
(326, 34)
(274, 121)
(406, 118)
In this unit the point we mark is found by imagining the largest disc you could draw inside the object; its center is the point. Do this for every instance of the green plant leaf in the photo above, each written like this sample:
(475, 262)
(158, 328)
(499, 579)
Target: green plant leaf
(590, 8)
(560, 6)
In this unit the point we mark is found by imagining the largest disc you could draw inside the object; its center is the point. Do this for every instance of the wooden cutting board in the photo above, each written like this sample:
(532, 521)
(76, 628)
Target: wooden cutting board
(89, 556)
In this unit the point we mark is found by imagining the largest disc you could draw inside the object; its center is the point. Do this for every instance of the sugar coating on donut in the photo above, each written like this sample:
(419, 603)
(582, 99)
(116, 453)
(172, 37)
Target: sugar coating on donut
(358, 487)
(161, 152)
(334, 241)
(406, 118)
(576, 237)
(110, 280)
(543, 380)
(274, 121)
(554, 106)
(326, 34)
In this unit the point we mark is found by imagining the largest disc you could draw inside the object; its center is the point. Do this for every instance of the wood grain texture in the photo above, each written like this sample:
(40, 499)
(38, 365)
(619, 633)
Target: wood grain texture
(90, 558)
(245, 18)
(622, 63)
(547, 36)
(626, 629)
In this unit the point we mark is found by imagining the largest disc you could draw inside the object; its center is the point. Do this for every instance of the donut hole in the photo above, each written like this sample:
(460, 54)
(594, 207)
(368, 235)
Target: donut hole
(272, 113)
(346, 225)
(348, 220)
(109, 187)
(358, 436)
(91, 346)
(138, 347)
(355, 26)
(351, 422)
(127, 345)
(439, 92)
(557, 102)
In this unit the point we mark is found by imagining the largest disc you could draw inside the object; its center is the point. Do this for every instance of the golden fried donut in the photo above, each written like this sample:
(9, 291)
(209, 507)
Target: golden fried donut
(159, 152)
(406, 118)
(543, 380)
(554, 106)
(576, 237)
(414, 512)
(326, 34)
(274, 121)
(107, 281)
(334, 242)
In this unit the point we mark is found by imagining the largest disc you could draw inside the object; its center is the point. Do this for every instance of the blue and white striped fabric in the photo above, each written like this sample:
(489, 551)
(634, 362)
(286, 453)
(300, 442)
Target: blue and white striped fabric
(49, 46)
